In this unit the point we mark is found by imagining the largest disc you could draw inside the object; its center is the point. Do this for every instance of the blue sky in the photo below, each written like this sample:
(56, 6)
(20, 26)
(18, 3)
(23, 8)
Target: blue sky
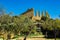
(20, 6)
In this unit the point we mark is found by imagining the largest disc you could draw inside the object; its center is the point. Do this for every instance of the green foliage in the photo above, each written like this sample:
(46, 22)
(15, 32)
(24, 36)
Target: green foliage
(50, 24)
(23, 24)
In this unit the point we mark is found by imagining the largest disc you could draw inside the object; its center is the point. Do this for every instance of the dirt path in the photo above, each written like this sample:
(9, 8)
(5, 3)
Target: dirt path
(36, 39)
(32, 38)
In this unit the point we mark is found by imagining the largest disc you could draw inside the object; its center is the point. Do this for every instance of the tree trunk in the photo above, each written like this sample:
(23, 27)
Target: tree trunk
(25, 37)
(5, 36)
(10, 36)
(27, 33)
